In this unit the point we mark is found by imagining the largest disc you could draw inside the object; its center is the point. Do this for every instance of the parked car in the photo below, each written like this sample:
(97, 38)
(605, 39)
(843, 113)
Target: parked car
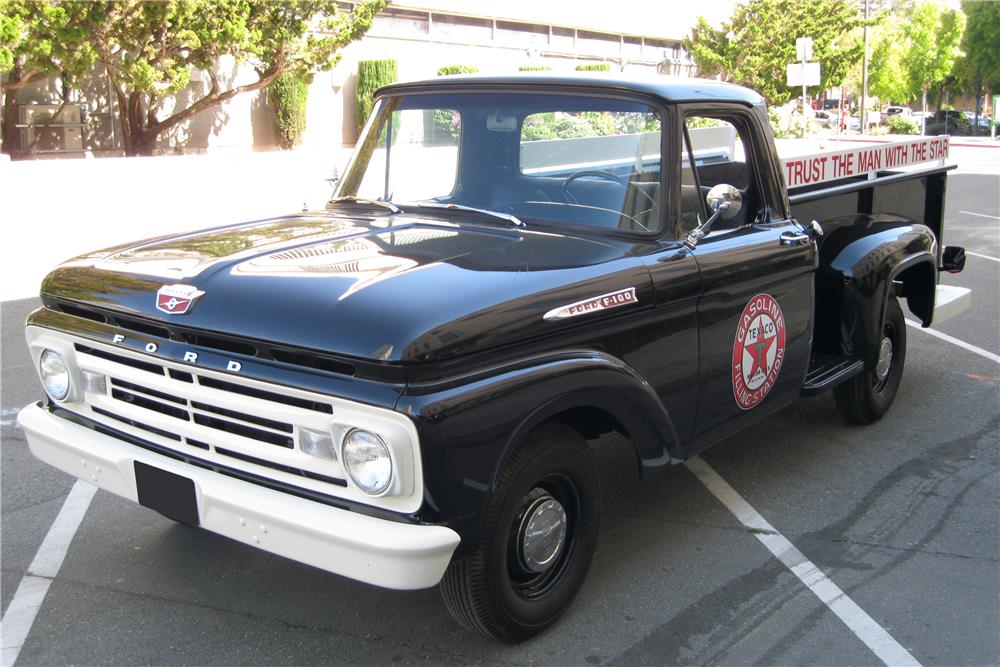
(955, 123)
(905, 112)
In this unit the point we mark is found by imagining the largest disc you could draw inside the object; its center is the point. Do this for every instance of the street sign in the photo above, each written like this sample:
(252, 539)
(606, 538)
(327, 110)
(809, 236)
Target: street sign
(803, 48)
(803, 74)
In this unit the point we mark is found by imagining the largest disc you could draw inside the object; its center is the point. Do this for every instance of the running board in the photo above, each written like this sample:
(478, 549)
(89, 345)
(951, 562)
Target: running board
(829, 373)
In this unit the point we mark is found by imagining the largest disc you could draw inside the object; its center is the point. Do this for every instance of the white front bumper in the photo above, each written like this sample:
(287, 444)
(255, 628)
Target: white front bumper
(376, 551)
(950, 301)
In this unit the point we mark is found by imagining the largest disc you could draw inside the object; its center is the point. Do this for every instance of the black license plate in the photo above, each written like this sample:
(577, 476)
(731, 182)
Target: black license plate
(171, 495)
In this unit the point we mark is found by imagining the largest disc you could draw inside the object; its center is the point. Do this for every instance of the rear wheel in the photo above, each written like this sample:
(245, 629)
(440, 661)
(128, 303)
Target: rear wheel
(538, 538)
(866, 397)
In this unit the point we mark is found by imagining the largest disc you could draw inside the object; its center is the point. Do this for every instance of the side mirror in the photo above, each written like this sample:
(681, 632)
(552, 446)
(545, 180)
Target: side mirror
(725, 198)
(724, 201)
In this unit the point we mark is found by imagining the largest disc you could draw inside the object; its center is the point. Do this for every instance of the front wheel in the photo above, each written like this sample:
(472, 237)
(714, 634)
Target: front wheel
(868, 396)
(538, 538)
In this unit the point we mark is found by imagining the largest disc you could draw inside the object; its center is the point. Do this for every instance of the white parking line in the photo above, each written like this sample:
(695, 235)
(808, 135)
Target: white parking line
(976, 254)
(954, 341)
(980, 215)
(30, 594)
(875, 637)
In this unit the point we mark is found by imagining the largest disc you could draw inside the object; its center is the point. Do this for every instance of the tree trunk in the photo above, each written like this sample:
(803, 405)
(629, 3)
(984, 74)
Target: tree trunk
(140, 143)
(11, 137)
(923, 109)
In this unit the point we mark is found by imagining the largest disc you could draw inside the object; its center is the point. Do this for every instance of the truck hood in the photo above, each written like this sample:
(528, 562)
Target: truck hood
(400, 289)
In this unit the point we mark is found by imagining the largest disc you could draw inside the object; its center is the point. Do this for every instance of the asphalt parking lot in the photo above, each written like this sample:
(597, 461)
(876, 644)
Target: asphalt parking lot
(901, 515)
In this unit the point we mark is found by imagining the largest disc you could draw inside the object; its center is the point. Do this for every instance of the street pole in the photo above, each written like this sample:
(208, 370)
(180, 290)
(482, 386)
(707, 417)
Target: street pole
(864, 79)
(804, 116)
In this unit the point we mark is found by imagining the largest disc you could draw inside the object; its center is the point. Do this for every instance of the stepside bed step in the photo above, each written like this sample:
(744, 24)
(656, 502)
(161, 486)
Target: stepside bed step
(827, 371)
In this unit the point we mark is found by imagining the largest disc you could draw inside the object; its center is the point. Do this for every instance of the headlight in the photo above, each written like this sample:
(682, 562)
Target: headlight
(54, 374)
(367, 461)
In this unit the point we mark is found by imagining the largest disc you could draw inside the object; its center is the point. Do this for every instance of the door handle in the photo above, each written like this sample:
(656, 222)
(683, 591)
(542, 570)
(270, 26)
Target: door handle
(794, 238)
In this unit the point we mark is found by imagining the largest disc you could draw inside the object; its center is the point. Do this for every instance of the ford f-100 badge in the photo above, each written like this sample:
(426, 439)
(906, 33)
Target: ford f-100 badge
(603, 302)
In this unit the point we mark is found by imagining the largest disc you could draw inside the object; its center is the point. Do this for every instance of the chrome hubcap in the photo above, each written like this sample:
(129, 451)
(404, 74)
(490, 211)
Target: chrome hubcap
(884, 359)
(542, 534)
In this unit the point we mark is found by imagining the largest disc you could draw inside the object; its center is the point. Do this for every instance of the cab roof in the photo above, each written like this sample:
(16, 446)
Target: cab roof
(667, 88)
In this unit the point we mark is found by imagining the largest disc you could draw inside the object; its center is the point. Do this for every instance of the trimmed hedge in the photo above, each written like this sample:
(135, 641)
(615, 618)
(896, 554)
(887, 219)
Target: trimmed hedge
(457, 69)
(288, 95)
(372, 75)
(901, 125)
(534, 68)
(594, 67)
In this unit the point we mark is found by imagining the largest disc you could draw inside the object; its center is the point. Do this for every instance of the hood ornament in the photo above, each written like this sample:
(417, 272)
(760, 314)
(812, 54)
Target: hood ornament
(603, 302)
(176, 299)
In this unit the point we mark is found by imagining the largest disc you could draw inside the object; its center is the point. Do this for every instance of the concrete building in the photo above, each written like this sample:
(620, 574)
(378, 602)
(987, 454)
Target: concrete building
(422, 36)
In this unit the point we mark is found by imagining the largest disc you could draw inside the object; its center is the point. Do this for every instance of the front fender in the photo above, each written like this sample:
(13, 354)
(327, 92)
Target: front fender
(468, 426)
(859, 260)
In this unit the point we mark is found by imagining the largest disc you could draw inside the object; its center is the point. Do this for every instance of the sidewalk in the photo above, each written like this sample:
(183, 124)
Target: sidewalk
(57, 209)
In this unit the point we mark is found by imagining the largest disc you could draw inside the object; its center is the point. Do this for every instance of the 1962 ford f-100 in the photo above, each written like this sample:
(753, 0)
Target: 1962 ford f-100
(400, 388)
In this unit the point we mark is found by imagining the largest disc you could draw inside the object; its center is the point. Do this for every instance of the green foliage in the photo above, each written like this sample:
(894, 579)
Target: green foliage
(457, 69)
(288, 95)
(534, 68)
(932, 36)
(149, 49)
(754, 47)
(980, 44)
(899, 125)
(372, 75)
(447, 124)
(786, 124)
(593, 67)
(566, 125)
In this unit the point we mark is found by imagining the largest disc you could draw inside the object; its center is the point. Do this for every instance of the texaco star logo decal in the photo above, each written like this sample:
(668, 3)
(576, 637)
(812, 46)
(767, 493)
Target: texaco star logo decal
(176, 299)
(758, 351)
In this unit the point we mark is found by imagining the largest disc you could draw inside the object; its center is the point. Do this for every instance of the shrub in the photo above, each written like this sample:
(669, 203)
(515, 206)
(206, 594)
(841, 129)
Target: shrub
(900, 125)
(372, 75)
(787, 124)
(457, 69)
(447, 124)
(534, 68)
(594, 67)
(288, 94)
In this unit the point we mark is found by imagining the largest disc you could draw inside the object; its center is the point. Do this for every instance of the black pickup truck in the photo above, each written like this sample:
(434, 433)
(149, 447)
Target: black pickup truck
(401, 388)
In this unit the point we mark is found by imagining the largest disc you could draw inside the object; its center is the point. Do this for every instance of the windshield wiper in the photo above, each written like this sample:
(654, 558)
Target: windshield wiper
(350, 199)
(506, 217)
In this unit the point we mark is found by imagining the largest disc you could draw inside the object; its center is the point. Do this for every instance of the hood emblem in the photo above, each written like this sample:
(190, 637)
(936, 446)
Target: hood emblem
(176, 299)
(603, 302)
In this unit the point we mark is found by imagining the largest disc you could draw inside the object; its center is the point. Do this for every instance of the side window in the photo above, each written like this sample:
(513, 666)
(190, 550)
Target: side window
(715, 151)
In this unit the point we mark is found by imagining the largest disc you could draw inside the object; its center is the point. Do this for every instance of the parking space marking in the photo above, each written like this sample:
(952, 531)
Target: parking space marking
(954, 341)
(981, 215)
(875, 637)
(30, 594)
(976, 254)
(8, 417)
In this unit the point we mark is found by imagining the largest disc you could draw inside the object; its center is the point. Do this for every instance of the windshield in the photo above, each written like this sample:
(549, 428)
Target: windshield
(545, 159)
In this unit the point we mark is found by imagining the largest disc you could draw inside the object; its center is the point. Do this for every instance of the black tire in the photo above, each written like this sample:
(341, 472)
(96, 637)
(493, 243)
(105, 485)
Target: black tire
(866, 397)
(493, 591)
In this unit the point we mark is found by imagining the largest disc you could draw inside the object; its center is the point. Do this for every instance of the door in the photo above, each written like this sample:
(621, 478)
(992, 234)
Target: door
(756, 267)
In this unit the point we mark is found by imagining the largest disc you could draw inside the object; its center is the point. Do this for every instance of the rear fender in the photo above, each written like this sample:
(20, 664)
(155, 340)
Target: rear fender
(863, 261)
(470, 426)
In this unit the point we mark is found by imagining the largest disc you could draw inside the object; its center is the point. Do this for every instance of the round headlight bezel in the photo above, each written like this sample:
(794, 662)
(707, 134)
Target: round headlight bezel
(48, 362)
(347, 458)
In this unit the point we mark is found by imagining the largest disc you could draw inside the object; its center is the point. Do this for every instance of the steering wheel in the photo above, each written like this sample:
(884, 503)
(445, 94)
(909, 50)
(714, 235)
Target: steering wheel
(608, 176)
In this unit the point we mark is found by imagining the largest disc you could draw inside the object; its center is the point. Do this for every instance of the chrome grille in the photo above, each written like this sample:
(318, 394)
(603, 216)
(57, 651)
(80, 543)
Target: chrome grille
(233, 422)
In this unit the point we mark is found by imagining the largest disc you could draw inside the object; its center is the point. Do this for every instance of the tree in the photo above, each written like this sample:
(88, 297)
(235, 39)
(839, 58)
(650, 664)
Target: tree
(755, 46)
(37, 40)
(981, 64)
(372, 75)
(149, 49)
(932, 35)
